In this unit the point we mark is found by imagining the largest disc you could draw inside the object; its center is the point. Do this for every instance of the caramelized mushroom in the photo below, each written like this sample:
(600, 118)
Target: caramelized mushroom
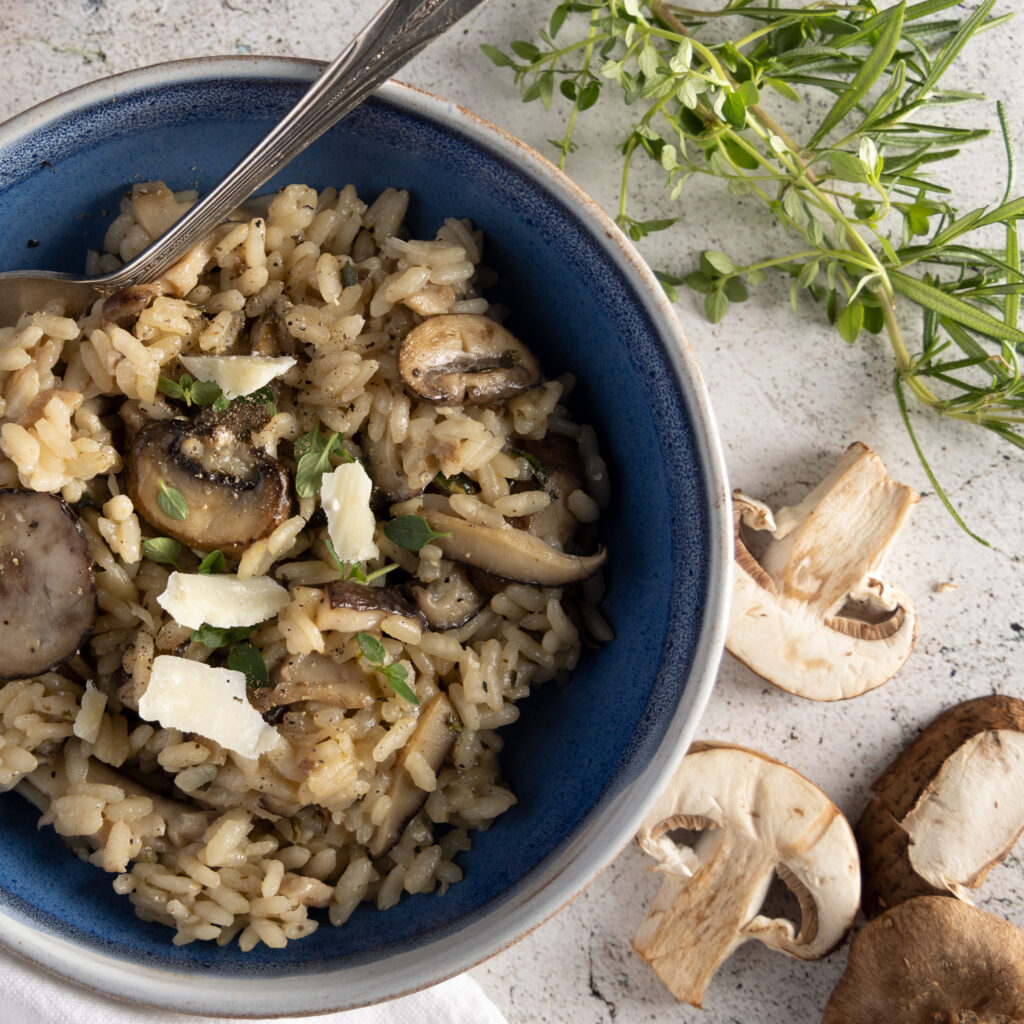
(47, 593)
(466, 358)
(559, 457)
(350, 607)
(234, 492)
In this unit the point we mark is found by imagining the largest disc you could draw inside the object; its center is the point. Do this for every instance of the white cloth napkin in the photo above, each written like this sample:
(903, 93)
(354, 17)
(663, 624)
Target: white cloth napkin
(32, 996)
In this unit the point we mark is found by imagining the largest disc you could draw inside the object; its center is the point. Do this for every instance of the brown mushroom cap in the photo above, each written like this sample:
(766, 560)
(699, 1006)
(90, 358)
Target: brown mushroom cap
(932, 960)
(47, 592)
(449, 601)
(235, 492)
(461, 358)
(948, 808)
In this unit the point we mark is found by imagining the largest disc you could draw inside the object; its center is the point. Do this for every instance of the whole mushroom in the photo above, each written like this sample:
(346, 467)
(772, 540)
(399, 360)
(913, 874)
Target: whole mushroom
(932, 960)
(757, 818)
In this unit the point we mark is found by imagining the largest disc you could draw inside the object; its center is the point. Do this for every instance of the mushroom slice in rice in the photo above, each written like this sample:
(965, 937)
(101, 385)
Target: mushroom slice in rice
(466, 358)
(432, 740)
(315, 677)
(47, 592)
(449, 601)
(510, 553)
(234, 493)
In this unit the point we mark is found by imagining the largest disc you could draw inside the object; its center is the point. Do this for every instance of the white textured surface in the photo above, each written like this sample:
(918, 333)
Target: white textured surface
(789, 396)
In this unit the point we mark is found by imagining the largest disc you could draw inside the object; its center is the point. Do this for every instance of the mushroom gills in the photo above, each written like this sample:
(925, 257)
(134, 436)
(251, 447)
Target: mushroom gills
(510, 553)
(810, 613)
(758, 819)
(465, 358)
(234, 493)
(433, 738)
(47, 591)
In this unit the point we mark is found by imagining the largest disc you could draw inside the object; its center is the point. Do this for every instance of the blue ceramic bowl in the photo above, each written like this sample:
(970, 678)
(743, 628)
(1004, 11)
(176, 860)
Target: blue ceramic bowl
(585, 759)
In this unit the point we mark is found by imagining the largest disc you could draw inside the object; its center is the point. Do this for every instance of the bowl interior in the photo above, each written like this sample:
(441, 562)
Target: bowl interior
(579, 307)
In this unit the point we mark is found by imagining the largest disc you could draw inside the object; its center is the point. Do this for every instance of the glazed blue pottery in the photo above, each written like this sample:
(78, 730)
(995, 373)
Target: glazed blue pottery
(586, 758)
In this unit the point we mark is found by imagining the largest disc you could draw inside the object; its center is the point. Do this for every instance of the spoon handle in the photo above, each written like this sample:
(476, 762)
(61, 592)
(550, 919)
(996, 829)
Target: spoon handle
(395, 34)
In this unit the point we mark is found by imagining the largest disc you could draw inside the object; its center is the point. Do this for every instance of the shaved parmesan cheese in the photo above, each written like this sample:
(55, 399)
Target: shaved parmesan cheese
(221, 600)
(237, 376)
(194, 697)
(345, 496)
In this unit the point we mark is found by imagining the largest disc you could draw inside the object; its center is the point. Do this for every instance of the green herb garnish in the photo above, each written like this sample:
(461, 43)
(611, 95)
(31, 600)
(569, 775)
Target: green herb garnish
(265, 395)
(172, 501)
(876, 236)
(190, 391)
(313, 454)
(410, 532)
(215, 637)
(349, 275)
(213, 564)
(165, 550)
(457, 484)
(540, 472)
(396, 675)
(354, 571)
(246, 657)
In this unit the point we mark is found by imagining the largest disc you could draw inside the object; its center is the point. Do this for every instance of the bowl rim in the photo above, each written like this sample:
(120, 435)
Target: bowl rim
(611, 828)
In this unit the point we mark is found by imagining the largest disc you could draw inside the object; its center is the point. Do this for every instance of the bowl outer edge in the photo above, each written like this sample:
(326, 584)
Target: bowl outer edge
(612, 828)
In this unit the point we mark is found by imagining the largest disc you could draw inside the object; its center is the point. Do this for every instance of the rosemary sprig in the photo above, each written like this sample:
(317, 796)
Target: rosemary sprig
(875, 234)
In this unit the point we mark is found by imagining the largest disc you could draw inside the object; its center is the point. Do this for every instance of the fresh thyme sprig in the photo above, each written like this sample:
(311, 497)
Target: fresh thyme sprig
(876, 236)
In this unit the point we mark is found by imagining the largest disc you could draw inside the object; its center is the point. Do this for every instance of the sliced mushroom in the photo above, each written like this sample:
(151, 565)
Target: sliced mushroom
(449, 601)
(126, 305)
(510, 553)
(757, 818)
(461, 358)
(812, 615)
(351, 607)
(560, 457)
(432, 739)
(47, 592)
(932, 960)
(949, 808)
(315, 677)
(234, 492)
(388, 474)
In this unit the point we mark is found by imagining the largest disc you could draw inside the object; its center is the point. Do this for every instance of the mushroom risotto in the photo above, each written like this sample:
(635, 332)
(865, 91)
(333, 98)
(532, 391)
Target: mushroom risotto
(284, 537)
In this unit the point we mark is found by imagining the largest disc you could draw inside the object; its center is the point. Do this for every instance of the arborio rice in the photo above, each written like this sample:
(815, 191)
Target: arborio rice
(384, 697)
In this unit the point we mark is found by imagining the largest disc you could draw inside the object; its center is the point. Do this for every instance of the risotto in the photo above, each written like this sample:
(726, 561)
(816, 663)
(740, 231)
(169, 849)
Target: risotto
(284, 538)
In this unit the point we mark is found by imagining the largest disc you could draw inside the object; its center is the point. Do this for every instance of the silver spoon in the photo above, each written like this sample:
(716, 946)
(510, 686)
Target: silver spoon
(395, 34)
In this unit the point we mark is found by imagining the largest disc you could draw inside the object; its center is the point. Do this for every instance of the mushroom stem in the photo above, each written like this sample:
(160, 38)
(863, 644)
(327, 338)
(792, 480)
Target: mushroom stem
(695, 924)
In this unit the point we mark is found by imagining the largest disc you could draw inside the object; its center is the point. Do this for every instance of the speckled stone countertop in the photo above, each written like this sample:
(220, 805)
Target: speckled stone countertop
(789, 397)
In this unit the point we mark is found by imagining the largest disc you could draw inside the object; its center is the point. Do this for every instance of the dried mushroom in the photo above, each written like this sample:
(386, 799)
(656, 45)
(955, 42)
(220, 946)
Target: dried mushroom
(431, 741)
(47, 592)
(757, 819)
(949, 808)
(811, 613)
(232, 493)
(465, 358)
(932, 960)
(510, 553)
